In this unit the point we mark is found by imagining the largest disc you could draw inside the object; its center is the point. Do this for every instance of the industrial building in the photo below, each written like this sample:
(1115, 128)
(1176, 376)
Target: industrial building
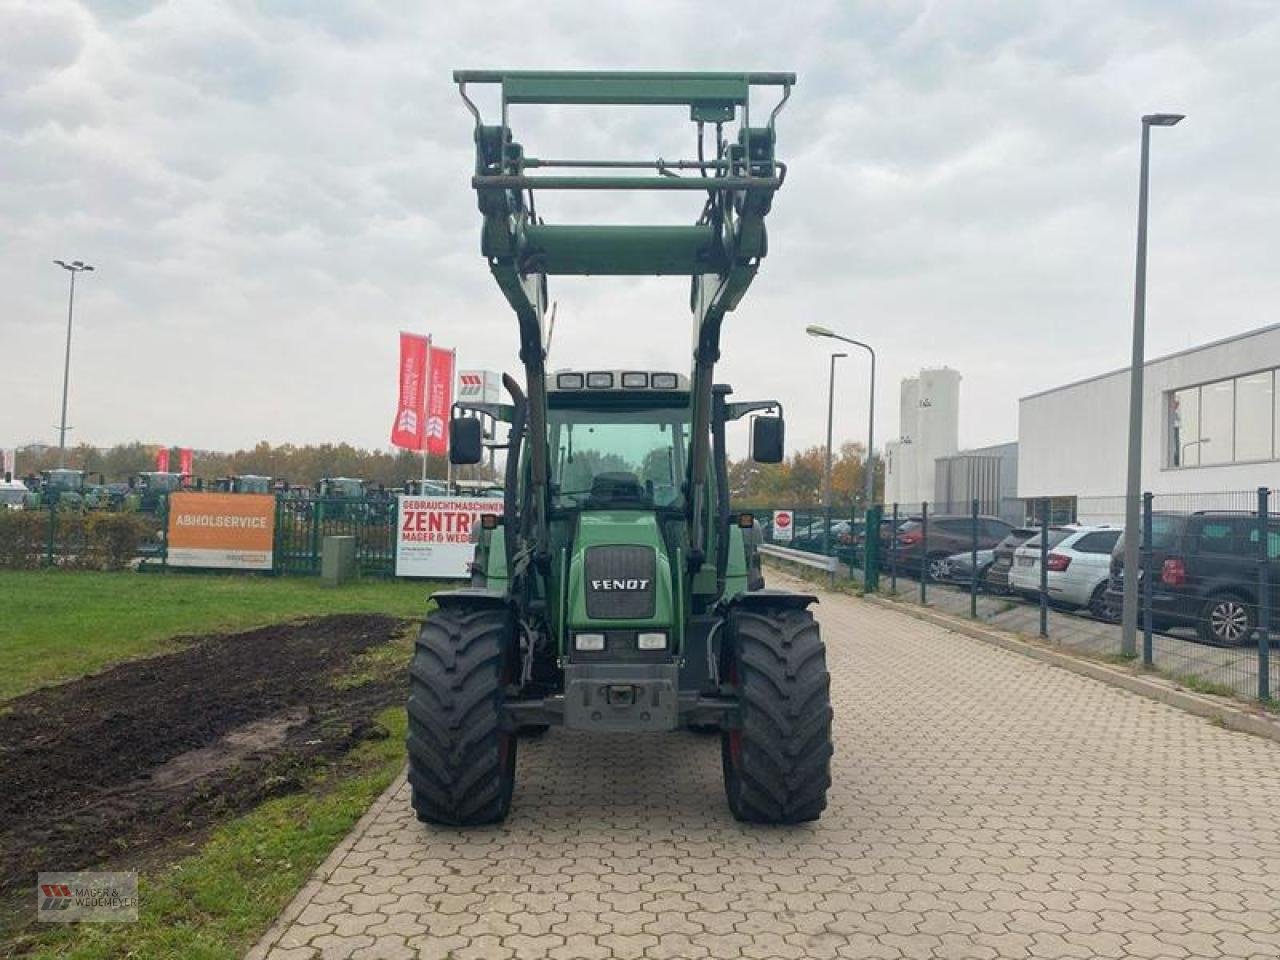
(928, 428)
(1211, 425)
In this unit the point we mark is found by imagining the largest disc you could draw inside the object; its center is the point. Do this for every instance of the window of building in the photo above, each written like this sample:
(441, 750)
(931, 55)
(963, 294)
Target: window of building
(1184, 422)
(1227, 421)
(1254, 411)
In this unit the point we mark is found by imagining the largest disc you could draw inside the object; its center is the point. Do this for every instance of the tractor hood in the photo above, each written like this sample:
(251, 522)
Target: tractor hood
(619, 574)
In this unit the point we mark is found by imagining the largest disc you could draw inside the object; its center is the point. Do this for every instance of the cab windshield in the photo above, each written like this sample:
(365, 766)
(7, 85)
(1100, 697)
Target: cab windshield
(618, 458)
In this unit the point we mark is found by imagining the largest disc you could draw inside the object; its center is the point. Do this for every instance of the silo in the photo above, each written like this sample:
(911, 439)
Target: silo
(938, 423)
(908, 486)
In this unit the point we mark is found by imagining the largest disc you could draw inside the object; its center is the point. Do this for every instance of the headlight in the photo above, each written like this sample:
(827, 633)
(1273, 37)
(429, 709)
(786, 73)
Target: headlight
(651, 641)
(589, 641)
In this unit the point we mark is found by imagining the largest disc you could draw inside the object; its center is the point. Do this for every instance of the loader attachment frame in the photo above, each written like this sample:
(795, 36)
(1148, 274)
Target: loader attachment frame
(720, 251)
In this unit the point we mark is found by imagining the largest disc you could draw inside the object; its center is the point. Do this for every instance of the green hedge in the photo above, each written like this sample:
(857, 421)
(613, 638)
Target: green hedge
(82, 541)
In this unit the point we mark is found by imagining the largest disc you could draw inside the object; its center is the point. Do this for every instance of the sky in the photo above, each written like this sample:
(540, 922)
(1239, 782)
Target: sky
(270, 192)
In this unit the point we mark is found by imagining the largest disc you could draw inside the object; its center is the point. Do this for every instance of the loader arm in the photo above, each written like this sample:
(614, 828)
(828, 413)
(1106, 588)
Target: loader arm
(720, 251)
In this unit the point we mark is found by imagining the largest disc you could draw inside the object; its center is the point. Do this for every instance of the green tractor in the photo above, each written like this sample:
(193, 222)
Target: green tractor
(61, 488)
(149, 491)
(615, 591)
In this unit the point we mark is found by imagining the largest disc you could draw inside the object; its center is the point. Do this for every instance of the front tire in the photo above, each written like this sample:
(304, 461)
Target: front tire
(462, 761)
(777, 764)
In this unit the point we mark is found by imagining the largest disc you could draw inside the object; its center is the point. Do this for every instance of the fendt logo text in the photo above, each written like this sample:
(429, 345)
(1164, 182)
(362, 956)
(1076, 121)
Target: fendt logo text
(633, 584)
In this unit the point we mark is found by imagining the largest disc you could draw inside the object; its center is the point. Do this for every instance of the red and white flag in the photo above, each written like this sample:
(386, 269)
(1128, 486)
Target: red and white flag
(408, 430)
(439, 400)
(186, 461)
(162, 460)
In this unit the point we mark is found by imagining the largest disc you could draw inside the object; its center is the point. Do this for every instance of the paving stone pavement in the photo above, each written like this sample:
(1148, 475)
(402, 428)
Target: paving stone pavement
(985, 805)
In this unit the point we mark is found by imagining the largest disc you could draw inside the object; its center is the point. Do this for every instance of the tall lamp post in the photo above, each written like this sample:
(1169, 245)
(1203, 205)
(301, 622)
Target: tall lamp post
(74, 267)
(868, 480)
(826, 476)
(1133, 486)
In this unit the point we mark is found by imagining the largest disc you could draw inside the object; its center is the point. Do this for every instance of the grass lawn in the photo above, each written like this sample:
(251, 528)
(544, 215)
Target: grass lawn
(55, 625)
(215, 904)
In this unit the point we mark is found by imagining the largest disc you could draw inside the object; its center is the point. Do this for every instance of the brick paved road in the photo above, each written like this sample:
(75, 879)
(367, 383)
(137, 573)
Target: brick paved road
(985, 805)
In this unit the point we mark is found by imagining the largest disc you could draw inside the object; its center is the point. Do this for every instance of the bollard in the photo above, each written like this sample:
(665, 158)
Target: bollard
(338, 560)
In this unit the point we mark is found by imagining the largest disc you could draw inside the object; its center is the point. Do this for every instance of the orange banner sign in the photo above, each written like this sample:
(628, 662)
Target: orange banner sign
(228, 530)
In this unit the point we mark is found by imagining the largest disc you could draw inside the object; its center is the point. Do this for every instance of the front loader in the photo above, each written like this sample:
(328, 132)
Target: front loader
(616, 592)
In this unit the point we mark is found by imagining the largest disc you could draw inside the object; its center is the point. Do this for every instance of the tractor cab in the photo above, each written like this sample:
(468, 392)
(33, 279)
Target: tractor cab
(243, 483)
(341, 488)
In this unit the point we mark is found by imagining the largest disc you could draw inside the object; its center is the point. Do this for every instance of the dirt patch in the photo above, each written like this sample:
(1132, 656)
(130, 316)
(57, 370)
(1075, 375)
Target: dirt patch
(148, 755)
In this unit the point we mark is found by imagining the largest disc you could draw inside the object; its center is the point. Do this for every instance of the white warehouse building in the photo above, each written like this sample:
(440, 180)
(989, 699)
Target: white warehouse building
(1211, 424)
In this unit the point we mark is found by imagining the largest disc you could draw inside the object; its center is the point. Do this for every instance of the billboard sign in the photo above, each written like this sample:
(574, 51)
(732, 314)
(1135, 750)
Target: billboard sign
(434, 538)
(783, 526)
(479, 386)
(228, 531)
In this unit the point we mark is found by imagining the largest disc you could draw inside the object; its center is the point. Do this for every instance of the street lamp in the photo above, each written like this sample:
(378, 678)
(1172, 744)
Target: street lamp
(826, 477)
(74, 267)
(1133, 486)
(868, 480)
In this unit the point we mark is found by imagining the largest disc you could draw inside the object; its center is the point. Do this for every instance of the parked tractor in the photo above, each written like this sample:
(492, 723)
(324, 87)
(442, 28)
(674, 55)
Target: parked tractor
(149, 492)
(243, 483)
(614, 590)
(60, 488)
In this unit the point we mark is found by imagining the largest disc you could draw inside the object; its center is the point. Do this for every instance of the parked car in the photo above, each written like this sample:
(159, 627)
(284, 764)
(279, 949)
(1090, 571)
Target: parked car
(946, 535)
(958, 568)
(997, 576)
(1078, 567)
(858, 539)
(1205, 569)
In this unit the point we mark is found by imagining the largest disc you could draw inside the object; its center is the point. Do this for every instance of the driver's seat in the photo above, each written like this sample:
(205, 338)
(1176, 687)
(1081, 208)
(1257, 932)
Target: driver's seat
(618, 489)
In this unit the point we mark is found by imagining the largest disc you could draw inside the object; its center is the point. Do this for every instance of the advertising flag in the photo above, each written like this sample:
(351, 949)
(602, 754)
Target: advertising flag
(439, 400)
(408, 430)
(162, 460)
(186, 461)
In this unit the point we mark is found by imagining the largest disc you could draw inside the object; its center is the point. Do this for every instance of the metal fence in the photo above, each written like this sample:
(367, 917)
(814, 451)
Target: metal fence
(65, 537)
(1208, 575)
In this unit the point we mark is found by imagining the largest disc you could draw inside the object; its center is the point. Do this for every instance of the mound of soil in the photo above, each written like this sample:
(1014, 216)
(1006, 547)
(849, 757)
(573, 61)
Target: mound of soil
(146, 756)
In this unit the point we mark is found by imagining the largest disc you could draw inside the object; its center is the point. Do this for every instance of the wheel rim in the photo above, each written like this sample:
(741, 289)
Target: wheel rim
(1229, 620)
(936, 569)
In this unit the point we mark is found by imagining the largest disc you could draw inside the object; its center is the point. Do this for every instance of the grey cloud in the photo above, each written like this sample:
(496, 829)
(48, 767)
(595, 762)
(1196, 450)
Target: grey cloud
(272, 192)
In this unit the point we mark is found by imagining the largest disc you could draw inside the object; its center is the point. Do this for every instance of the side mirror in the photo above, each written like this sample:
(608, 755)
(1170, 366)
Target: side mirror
(767, 435)
(466, 440)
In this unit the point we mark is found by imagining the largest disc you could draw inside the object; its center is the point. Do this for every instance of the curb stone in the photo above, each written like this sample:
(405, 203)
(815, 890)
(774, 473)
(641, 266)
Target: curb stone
(321, 874)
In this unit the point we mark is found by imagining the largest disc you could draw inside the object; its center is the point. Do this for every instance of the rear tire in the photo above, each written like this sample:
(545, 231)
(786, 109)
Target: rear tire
(1100, 607)
(777, 764)
(462, 761)
(1227, 620)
